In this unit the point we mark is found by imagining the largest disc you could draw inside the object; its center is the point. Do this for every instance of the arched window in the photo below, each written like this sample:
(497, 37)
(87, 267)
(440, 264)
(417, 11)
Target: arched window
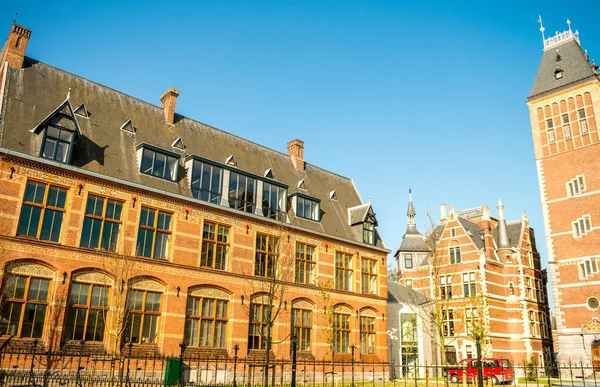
(26, 296)
(143, 312)
(302, 323)
(341, 329)
(367, 331)
(87, 307)
(206, 318)
(258, 326)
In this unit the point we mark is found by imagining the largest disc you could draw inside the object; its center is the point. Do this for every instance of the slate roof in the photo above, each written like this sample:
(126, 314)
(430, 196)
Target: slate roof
(573, 62)
(474, 231)
(513, 229)
(38, 89)
(405, 295)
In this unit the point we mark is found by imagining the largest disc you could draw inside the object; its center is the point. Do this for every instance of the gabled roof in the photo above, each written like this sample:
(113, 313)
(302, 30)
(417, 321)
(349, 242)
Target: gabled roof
(405, 295)
(573, 62)
(473, 231)
(30, 95)
(360, 214)
(63, 116)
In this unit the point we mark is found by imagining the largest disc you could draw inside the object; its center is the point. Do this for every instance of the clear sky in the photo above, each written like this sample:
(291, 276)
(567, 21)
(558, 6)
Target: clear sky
(393, 94)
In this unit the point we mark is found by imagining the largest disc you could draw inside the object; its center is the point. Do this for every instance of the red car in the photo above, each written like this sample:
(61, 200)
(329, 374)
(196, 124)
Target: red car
(500, 371)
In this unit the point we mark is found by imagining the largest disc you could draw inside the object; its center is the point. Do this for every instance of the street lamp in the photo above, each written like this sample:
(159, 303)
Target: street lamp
(393, 337)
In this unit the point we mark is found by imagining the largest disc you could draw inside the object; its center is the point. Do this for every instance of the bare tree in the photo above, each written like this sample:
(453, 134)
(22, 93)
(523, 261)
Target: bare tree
(432, 293)
(274, 264)
(327, 322)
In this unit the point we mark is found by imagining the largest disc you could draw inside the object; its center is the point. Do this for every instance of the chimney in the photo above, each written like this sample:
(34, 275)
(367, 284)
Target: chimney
(167, 101)
(443, 212)
(16, 44)
(451, 213)
(486, 226)
(296, 151)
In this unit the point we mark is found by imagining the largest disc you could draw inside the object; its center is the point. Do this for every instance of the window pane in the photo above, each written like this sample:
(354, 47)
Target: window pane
(49, 148)
(62, 150)
(147, 158)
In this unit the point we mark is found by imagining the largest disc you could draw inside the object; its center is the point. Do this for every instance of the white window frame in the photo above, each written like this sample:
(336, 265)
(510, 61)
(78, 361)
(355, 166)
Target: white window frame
(582, 226)
(576, 186)
(588, 267)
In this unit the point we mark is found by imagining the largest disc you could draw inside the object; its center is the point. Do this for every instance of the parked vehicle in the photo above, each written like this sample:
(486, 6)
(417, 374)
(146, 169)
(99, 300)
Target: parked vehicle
(500, 371)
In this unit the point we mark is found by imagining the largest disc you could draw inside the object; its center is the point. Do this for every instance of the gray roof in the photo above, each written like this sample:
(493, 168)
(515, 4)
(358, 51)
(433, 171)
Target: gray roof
(413, 242)
(573, 62)
(411, 209)
(474, 231)
(37, 89)
(513, 229)
(405, 294)
(358, 214)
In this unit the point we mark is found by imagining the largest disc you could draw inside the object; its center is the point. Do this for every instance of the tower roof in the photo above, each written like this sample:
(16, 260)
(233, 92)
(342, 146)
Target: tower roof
(411, 209)
(561, 52)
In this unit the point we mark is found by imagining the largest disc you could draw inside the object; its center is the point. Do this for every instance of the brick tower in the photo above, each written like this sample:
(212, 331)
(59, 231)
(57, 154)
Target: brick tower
(562, 104)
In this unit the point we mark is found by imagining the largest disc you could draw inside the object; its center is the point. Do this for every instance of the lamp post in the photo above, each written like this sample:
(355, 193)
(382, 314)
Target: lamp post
(393, 337)
(294, 350)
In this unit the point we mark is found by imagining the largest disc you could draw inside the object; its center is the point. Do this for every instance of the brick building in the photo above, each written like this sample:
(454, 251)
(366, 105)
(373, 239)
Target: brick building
(119, 214)
(562, 104)
(483, 272)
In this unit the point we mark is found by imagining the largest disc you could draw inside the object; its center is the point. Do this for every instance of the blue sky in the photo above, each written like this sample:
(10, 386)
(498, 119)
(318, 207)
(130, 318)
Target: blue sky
(396, 95)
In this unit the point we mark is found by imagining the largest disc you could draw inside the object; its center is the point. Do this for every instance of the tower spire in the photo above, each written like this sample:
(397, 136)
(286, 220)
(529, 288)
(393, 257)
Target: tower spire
(542, 29)
(410, 213)
(503, 242)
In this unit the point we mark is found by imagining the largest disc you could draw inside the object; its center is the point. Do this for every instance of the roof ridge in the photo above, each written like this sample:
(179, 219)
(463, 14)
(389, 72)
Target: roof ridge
(184, 117)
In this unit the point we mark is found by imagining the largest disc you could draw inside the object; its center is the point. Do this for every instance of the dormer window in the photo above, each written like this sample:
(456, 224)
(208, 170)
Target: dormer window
(273, 200)
(57, 144)
(307, 208)
(158, 162)
(206, 181)
(242, 192)
(558, 73)
(368, 232)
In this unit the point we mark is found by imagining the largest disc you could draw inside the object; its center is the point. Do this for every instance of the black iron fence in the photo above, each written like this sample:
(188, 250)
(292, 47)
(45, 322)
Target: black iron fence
(36, 368)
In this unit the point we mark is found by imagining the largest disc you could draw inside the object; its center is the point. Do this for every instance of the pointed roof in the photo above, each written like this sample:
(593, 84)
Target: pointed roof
(360, 214)
(412, 239)
(567, 56)
(63, 116)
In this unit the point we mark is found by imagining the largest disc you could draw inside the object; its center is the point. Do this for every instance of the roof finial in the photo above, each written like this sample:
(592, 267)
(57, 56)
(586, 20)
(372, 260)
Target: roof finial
(15, 18)
(69, 93)
(542, 29)
(410, 194)
(569, 24)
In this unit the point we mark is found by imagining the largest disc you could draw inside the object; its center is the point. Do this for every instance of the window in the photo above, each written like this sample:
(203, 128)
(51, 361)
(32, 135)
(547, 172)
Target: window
(593, 303)
(528, 288)
(24, 308)
(143, 312)
(453, 232)
(368, 233)
(469, 351)
(343, 271)
(265, 262)
(530, 261)
(408, 261)
(539, 295)
(307, 208)
(454, 254)
(260, 315)
(301, 327)
(511, 289)
(367, 335)
(341, 332)
(205, 322)
(446, 286)
(469, 286)
(447, 322)
(558, 74)
(368, 276)
(576, 186)
(206, 182)
(582, 226)
(273, 200)
(532, 323)
(583, 127)
(550, 130)
(57, 144)
(566, 126)
(408, 328)
(101, 224)
(42, 212)
(159, 164)
(154, 234)
(587, 268)
(86, 313)
(215, 246)
(471, 319)
(305, 263)
(242, 192)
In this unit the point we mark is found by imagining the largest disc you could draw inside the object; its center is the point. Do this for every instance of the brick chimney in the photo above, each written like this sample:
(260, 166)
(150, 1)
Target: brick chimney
(486, 226)
(167, 101)
(443, 215)
(296, 151)
(14, 49)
